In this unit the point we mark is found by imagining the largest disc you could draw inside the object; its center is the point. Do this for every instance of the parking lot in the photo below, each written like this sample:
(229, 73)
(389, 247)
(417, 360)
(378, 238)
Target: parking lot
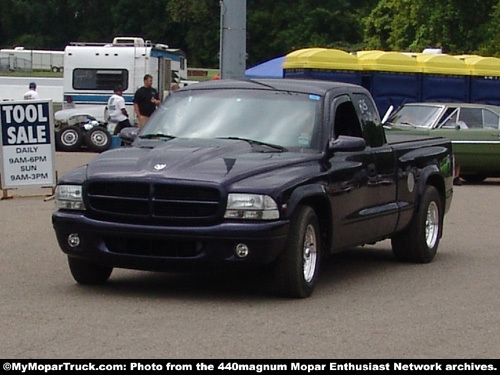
(366, 304)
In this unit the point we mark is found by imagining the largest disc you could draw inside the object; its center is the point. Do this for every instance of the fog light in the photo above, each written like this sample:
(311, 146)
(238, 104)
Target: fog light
(73, 240)
(241, 250)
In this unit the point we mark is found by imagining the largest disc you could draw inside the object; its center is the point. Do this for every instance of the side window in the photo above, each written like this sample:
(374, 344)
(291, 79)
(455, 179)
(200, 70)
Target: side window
(491, 119)
(370, 120)
(450, 118)
(472, 117)
(345, 119)
(99, 79)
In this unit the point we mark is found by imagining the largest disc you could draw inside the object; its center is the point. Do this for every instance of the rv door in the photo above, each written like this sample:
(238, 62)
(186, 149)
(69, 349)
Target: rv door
(164, 77)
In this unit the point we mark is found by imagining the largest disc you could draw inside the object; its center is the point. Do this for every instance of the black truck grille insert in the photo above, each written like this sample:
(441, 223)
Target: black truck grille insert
(153, 202)
(152, 247)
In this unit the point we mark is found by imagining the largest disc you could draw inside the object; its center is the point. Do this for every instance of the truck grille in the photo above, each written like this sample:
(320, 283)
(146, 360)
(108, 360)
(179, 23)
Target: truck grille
(153, 202)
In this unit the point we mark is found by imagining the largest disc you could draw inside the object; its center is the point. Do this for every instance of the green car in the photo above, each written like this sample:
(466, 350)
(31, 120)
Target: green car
(474, 130)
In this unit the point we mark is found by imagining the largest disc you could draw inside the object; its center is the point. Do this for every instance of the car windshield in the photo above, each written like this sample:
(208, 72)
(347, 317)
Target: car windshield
(273, 117)
(422, 116)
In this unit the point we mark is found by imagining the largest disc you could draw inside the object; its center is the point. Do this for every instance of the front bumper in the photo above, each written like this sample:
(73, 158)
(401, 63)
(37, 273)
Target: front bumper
(172, 248)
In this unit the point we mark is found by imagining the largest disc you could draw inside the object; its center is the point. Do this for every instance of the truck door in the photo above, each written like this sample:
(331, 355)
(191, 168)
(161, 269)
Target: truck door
(353, 179)
(384, 209)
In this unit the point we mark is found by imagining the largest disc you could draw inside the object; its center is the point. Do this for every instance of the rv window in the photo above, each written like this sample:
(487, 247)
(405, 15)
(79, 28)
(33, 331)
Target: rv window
(99, 79)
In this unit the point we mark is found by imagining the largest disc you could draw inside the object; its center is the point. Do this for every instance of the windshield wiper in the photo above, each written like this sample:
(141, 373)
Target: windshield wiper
(259, 143)
(156, 136)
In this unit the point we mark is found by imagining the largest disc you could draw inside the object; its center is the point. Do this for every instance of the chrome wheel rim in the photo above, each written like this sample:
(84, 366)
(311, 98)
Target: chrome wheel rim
(309, 253)
(432, 225)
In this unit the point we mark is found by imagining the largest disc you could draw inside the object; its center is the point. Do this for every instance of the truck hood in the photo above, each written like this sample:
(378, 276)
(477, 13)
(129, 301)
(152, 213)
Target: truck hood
(212, 160)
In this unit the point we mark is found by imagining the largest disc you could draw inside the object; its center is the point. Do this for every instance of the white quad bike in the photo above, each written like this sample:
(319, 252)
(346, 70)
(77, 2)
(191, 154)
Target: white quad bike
(81, 130)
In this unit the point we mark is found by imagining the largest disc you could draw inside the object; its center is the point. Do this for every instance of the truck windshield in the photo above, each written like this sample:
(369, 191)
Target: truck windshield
(420, 116)
(279, 118)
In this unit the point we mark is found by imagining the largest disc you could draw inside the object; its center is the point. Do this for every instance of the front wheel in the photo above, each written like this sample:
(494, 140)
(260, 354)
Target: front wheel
(419, 242)
(298, 266)
(88, 273)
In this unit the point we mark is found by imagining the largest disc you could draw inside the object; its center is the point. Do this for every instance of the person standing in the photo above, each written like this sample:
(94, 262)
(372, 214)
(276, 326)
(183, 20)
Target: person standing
(146, 99)
(117, 111)
(31, 94)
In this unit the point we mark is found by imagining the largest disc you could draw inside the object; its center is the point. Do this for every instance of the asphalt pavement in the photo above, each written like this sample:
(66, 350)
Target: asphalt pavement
(366, 304)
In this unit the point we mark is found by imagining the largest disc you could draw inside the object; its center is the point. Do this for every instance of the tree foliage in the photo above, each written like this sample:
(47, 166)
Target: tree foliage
(454, 25)
(274, 27)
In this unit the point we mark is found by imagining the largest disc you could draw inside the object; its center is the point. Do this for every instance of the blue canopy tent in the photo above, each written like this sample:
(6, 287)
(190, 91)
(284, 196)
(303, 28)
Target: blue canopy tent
(270, 69)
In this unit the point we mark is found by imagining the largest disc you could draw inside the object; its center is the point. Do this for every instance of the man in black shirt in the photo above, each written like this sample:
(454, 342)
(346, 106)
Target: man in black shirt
(146, 99)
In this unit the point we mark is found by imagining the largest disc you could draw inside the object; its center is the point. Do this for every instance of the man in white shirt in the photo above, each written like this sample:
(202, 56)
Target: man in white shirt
(117, 111)
(31, 94)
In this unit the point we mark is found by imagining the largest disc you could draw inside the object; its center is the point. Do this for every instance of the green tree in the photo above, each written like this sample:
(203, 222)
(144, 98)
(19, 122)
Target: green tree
(279, 27)
(417, 24)
(274, 27)
(490, 44)
(198, 21)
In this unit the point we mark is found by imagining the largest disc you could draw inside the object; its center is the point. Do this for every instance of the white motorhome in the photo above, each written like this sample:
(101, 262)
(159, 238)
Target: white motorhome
(19, 59)
(92, 71)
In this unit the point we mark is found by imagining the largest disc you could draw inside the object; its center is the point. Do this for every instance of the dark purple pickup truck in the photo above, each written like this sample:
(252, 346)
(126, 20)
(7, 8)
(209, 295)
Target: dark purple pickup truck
(269, 174)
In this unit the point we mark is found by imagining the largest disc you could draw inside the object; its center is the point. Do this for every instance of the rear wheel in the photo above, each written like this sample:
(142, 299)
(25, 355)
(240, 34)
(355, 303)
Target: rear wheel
(298, 266)
(419, 242)
(89, 273)
(69, 138)
(98, 139)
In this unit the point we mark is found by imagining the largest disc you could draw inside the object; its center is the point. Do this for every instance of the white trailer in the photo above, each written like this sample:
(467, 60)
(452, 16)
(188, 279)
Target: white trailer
(20, 59)
(92, 71)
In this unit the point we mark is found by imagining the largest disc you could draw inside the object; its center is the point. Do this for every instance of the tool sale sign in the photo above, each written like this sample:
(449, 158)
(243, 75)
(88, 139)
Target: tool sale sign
(27, 144)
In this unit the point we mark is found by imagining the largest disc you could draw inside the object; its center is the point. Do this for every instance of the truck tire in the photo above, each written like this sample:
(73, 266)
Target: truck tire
(69, 138)
(98, 139)
(419, 242)
(297, 268)
(88, 273)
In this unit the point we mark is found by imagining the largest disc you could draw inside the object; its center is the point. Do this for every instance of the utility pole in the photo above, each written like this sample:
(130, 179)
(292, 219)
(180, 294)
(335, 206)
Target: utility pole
(233, 38)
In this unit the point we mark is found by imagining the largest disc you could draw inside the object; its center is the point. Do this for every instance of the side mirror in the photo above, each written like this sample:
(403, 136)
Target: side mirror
(129, 134)
(346, 143)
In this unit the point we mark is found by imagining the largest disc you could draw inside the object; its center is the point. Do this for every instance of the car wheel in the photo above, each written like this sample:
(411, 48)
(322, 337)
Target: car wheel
(98, 139)
(69, 138)
(419, 242)
(88, 273)
(297, 268)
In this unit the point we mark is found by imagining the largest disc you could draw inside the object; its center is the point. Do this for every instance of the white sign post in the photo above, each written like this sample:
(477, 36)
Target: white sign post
(27, 144)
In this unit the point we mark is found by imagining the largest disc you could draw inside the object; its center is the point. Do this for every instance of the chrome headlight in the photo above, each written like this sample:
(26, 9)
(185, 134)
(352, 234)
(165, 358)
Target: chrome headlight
(251, 207)
(69, 197)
